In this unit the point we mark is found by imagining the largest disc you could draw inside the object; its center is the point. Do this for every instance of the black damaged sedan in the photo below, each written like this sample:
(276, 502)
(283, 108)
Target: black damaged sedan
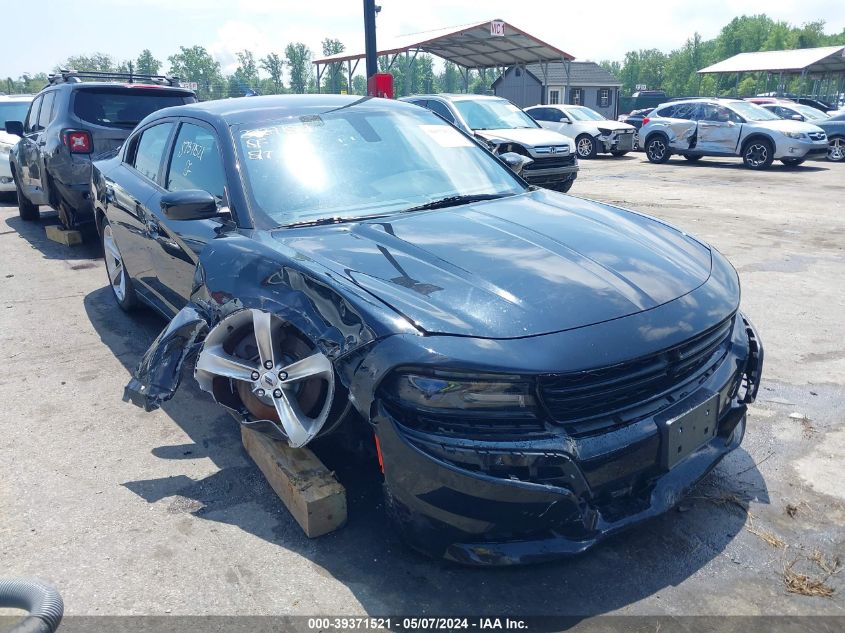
(534, 371)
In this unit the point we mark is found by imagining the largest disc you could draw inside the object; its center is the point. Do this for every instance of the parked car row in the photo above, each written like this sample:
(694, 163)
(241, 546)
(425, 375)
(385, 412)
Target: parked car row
(508, 355)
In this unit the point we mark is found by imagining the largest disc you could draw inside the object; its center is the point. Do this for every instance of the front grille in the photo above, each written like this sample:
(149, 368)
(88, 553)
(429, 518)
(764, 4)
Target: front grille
(594, 400)
(552, 162)
(816, 136)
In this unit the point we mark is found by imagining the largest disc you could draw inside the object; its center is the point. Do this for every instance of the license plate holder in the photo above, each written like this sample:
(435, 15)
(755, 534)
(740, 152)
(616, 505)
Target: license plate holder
(685, 427)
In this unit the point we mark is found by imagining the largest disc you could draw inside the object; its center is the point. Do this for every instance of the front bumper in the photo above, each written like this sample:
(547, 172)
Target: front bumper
(544, 177)
(796, 148)
(506, 503)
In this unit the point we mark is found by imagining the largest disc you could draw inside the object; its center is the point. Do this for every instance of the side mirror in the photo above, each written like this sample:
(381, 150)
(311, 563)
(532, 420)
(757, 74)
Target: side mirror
(14, 127)
(192, 204)
(797, 117)
(517, 162)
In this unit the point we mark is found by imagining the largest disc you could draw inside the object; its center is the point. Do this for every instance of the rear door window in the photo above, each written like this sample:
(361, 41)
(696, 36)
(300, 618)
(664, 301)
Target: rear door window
(123, 107)
(46, 109)
(149, 150)
(667, 113)
(196, 162)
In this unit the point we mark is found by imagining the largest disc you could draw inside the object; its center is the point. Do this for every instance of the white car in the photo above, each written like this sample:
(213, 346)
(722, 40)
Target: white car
(728, 127)
(593, 133)
(12, 108)
(796, 111)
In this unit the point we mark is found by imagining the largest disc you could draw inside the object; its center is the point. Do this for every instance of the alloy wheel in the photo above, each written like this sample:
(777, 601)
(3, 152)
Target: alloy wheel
(273, 369)
(756, 154)
(585, 147)
(114, 264)
(836, 149)
(656, 149)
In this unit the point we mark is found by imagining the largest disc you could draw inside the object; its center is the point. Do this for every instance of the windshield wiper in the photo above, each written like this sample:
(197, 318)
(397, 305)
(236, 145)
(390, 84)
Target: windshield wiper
(332, 220)
(454, 201)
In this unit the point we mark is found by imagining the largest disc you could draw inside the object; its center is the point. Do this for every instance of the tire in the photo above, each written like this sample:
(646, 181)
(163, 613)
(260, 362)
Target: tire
(27, 211)
(758, 154)
(585, 146)
(693, 158)
(836, 149)
(657, 149)
(618, 152)
(119, 280)
(792, 162)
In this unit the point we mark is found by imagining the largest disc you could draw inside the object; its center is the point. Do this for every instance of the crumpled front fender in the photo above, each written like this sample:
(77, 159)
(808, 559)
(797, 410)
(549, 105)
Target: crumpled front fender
(158, 375)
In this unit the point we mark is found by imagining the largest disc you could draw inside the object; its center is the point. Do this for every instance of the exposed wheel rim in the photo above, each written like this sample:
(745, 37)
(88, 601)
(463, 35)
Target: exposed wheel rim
(836, 149)
(114, 264)
(278, 377)
(756, 154)
(656, 149)
(585, 147)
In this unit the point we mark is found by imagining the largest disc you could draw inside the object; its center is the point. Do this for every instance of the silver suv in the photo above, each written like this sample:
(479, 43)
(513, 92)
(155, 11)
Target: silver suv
(505, 128)
(728, 127)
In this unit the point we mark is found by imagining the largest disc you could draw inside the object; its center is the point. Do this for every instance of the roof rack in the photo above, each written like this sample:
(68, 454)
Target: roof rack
(74, 76)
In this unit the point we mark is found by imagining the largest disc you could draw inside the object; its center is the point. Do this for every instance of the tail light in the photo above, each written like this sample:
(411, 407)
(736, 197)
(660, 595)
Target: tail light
(646, 120)
(78, 141)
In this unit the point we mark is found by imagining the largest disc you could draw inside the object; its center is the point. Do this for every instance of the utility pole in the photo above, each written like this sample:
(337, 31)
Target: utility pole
(370, 10)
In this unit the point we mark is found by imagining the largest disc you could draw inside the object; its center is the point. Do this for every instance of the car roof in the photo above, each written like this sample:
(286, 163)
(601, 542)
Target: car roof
(449, 96)
(85, 85)
(271, 107)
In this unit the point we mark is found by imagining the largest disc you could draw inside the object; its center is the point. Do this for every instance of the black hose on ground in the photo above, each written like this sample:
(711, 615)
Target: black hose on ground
(42, 601)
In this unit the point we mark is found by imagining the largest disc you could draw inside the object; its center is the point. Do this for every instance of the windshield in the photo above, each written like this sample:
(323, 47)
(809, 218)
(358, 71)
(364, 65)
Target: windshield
(12, 111)
(123, 107)
(493, 114)
(809, 112)
(584, 114)
(752, 112)
(361, 163)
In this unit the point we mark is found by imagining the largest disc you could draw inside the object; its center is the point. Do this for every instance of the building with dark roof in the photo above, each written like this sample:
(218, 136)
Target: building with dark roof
(581, 83)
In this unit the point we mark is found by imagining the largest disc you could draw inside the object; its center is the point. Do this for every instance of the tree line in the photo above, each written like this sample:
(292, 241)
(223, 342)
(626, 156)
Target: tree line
(676, 72)
(291, 69)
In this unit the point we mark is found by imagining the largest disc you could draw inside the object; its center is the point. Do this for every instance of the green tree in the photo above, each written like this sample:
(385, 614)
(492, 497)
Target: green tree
(274, 65)
(146, 64)
(450, 79)
(245, 78)
(196, 64)
(96, 62)
(298, 61)
(333, 75)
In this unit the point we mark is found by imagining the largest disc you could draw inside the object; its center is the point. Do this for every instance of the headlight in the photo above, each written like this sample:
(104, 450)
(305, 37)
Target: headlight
(799, 135)
(436, 392)
(604, 131)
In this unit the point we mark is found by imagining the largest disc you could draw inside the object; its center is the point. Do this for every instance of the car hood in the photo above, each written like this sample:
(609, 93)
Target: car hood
(531, 137)
(788, 125)
(530, 264)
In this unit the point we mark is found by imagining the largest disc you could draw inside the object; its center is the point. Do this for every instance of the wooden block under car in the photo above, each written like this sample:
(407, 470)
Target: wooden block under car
(62, 236)
(308, 489)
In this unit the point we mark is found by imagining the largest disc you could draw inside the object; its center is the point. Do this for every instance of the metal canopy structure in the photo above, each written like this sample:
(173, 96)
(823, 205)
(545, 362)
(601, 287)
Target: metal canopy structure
(824, 66)
(489, 44)
(828, 59)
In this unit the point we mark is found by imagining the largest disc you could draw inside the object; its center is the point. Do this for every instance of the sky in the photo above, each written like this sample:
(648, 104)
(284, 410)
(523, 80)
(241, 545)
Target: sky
(588, 29)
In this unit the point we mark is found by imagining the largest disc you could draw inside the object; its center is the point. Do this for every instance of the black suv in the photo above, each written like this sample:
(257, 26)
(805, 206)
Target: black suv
(69, 124)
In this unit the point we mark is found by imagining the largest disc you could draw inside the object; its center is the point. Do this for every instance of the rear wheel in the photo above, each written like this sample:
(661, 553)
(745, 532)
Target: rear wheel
(792, 162)
(758, 154)
(585, 146)
(27, 211)
(119, 279)
(836, 149)
(657, 149)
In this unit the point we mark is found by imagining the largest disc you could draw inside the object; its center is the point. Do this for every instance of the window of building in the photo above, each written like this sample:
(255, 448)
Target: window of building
(576, 96)
(604, 97)
(554, 97)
